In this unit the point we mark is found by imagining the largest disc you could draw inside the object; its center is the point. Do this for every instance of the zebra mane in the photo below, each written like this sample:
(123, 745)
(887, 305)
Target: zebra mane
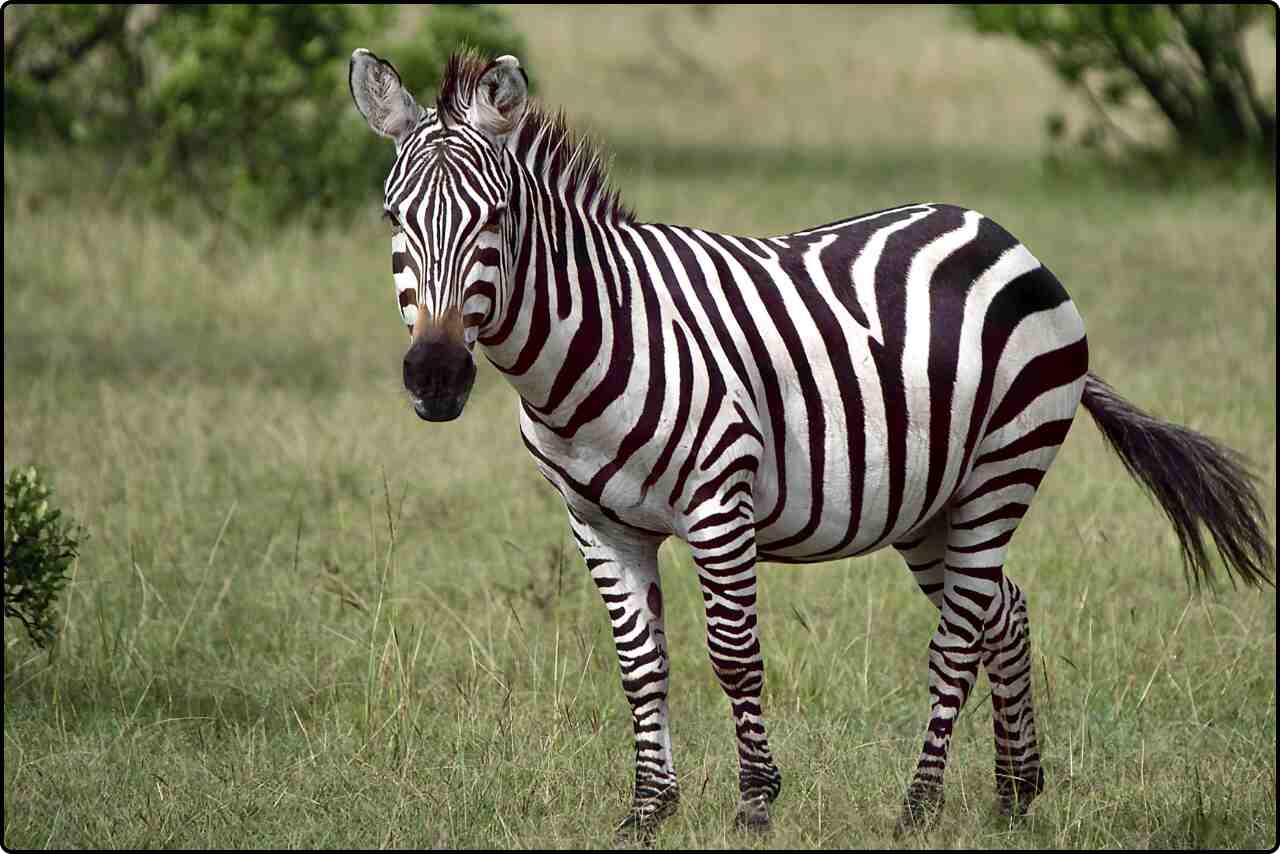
(568, 163)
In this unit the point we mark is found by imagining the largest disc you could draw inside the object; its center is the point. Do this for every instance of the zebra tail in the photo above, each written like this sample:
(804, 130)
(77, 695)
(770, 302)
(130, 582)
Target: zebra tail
(1195, 480)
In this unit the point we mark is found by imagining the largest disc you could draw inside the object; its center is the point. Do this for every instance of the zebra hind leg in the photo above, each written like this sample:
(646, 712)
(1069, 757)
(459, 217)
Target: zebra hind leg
(1007, 643)
(982, 614)
(925, 555)
(982, 621)
(954, 657)
(999, 638)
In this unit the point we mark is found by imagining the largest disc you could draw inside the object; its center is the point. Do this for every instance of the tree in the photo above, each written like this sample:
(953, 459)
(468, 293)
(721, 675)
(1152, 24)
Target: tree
(242, 108)
(1187, 58)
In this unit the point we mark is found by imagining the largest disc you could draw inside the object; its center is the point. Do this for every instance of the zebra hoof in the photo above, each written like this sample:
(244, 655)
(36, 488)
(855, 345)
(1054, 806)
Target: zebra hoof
(920, 810)
(642, 822)
(1015, 794)
(753, 813)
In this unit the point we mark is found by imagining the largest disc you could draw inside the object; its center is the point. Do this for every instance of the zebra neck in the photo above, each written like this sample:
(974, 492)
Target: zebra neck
(564, 332)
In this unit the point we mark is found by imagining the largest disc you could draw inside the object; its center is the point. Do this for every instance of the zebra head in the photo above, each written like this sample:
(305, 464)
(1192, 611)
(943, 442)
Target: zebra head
(446, 196)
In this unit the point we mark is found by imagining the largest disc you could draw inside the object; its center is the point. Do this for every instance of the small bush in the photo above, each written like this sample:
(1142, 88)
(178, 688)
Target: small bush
(38, 550)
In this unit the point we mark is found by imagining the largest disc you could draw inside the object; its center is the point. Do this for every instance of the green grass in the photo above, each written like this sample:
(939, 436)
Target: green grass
(306, 619)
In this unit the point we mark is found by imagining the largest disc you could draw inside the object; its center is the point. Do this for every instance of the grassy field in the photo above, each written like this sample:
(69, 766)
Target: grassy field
(306, 619)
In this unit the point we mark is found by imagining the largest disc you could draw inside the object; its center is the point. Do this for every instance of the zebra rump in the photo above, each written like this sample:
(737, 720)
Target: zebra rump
(1195, 480)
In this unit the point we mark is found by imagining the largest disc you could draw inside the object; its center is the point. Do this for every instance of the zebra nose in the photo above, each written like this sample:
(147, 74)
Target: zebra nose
(438, 376)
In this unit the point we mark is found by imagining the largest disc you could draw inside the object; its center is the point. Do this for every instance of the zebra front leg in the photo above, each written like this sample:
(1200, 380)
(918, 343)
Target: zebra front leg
(625, 571)
(727, 574)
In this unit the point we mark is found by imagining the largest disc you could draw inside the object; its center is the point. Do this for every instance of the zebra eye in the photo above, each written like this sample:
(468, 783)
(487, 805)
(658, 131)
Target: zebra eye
(495, 217)
(388, 216)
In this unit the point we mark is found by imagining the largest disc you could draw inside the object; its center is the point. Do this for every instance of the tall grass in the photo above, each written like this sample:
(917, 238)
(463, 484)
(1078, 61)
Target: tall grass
(306, 619)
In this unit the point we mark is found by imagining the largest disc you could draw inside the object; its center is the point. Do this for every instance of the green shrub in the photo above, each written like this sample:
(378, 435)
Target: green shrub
(38, 550)
(1188, 59)
(242, 109)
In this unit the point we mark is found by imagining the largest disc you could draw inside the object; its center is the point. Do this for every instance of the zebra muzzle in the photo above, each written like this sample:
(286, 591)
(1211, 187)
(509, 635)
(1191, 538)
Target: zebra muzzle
(438, 375)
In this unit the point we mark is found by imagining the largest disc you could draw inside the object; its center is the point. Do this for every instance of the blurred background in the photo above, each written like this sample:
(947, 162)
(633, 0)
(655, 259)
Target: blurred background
(261, 541)
(242, 112)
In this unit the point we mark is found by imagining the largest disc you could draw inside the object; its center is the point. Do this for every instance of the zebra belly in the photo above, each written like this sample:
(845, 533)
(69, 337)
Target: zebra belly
(870, 485)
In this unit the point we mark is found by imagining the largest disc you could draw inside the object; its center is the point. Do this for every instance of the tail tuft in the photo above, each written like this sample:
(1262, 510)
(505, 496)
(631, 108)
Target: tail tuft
(1195, 480)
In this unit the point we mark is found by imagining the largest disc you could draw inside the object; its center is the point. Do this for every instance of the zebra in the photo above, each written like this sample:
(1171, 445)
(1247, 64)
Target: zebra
(902, 378)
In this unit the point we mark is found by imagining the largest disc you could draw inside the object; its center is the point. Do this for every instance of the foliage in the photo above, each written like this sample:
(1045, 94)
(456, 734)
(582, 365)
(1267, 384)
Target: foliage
(38, 549)
(1188, 59)
(242, 108)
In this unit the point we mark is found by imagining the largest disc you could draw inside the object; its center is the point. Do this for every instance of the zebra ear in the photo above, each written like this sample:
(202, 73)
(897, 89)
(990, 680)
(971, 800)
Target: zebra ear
(500, 99)
(380, 96)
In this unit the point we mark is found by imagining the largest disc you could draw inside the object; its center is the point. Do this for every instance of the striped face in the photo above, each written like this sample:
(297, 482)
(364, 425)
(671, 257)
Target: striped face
(446, 196)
